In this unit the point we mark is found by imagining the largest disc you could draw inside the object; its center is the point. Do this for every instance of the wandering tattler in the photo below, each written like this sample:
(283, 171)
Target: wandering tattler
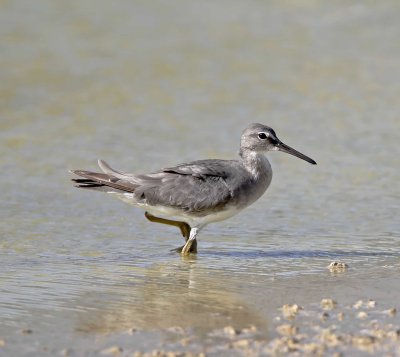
(192, 195)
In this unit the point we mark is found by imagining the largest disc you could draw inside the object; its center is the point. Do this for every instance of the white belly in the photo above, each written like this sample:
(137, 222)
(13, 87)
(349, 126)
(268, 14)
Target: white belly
(191, 220)
(179, 215)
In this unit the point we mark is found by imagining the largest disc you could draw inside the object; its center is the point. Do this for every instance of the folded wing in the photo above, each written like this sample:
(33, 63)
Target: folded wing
(198, 186)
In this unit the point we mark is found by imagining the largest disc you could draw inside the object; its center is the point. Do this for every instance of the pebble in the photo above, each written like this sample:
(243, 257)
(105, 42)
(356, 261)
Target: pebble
(330, 339)
(340, 316)
(391, 312)
(328, 304)
(287, 330)
(365, 343)
(394, 335)
(230, 331)
(371, 304)
(290, 311)
(362, 315)
(324, 316)
(335, 267)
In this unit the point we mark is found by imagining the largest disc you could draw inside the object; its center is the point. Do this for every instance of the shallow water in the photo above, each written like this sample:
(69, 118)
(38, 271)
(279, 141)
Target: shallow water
(149, 84)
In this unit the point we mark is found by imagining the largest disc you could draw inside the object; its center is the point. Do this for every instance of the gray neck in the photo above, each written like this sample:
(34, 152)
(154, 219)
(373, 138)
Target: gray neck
(260, 174)
(256, 163)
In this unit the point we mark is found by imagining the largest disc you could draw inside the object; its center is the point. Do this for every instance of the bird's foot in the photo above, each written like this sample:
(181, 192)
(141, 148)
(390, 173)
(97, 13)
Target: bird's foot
(193, 248)
(187, 248)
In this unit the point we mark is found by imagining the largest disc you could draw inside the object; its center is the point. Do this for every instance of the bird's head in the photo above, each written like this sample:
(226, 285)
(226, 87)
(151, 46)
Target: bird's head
(261, 138)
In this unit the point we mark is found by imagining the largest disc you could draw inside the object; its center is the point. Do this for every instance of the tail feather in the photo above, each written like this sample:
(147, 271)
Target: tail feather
(102, 182)
(93, 185)
(87, 183)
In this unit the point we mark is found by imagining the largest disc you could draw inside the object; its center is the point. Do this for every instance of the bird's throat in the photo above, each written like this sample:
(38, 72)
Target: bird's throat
(256, 163)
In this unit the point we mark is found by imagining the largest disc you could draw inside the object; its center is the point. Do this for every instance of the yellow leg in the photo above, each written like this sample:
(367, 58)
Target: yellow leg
(187, 248)
(184, 228)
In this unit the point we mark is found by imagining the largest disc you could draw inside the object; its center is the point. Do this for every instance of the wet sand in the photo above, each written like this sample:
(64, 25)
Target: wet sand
(195, 317)
(310, 330)
(329, 328)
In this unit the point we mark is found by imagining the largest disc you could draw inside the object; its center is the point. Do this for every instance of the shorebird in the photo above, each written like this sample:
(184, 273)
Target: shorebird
(192, 195)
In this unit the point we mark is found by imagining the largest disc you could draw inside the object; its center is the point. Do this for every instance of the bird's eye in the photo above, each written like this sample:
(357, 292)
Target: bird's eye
(262, 135)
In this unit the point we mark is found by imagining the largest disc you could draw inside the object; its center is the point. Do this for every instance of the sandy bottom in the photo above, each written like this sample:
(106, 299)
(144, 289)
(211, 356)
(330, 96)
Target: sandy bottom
(320, 329)
(317, 329)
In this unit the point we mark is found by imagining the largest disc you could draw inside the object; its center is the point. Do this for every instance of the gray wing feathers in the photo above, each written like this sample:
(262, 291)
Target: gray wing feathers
(194, 187)
(189, 193)
(202, 168)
